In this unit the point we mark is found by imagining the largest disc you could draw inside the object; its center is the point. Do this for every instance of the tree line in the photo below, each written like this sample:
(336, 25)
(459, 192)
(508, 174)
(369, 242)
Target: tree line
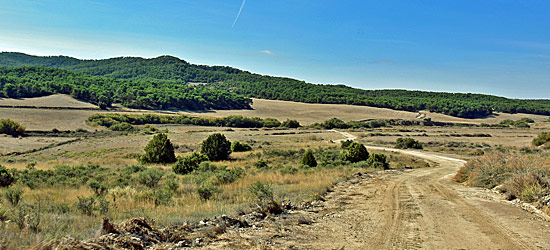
(20, 82)
(157, 78)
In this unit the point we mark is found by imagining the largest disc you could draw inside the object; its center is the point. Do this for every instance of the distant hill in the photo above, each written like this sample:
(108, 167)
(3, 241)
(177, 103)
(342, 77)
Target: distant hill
(172, 71)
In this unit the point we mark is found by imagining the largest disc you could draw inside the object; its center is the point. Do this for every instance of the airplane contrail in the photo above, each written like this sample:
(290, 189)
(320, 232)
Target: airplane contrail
(238, 15)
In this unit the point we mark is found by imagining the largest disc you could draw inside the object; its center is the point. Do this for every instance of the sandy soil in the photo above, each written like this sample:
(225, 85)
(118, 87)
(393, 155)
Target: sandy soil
(412, 209)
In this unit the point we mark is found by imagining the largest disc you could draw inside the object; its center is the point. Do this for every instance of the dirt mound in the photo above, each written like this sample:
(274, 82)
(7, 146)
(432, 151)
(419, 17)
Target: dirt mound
(140, 233)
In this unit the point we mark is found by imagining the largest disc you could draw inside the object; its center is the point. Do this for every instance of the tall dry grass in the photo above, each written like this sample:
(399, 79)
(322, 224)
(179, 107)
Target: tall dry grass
(523, 176)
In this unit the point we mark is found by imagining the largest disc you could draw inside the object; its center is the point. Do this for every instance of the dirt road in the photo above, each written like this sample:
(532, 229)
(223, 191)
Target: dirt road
(412, 209)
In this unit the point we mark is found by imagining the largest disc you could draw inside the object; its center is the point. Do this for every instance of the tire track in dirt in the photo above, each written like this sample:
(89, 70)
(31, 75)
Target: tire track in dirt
(409, 209)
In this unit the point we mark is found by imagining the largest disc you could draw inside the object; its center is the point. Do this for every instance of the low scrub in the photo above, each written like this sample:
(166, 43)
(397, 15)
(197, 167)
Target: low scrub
(526, 177)
(12, 128)
(406, 143)
(542, 139)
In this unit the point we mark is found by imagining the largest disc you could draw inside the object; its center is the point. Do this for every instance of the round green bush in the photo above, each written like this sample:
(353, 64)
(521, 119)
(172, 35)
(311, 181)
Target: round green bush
(309, 159)
(159, 150)
(216, 147)
(356, 152)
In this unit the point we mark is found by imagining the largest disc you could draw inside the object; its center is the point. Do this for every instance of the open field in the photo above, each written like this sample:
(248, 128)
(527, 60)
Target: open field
(110, 158)
(57, 100)
(310, 113)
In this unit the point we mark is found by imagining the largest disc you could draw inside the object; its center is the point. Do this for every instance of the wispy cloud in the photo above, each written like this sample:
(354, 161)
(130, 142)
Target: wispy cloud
(239, 14)
(267, 52)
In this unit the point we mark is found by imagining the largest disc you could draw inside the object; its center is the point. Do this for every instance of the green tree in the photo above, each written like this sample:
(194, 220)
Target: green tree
(10, 127)
(188, 164)
(290, 124)
(378, 161)
(6, 178)
(543, 138)
(237, 146)
(405, 143)
(216, 147)
(159, 150)
(356, 152)
(309, 159)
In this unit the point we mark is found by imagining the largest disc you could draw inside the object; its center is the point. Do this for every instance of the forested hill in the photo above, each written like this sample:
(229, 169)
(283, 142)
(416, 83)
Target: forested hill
(18, 82)
(168, 71)
(163, 68)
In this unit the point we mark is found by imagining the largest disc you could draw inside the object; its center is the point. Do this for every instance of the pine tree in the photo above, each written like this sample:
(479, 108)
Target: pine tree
(309, 159)
(159, 150)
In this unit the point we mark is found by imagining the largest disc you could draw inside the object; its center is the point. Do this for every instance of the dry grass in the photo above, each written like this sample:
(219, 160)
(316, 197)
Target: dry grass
(58, 100)
(524, 176)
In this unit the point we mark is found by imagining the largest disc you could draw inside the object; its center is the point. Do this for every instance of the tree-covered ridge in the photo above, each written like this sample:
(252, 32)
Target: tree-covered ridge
(160, 69)
(171, 70)
(454, 104)
(19, 82)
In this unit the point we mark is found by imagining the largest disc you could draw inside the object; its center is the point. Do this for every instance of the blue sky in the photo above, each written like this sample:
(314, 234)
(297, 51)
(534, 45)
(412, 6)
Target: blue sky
(499, 47)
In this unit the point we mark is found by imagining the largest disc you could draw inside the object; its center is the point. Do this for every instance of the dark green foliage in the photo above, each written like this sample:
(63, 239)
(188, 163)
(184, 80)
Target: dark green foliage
(543, 138)
(290, 124)
(62, 176)
(261, 164)
(13, 195)
(150, 94)
(99, 188)
(206, 192)
(454, 104)
(123, 126)
(378, 161)
(6, 178)
(334, 123)
(10, 127)
(309, 159)
(188, 164)
(236, 121)
(159, 150)
(160, 83)
(345, 144)
(356, 152)
(237, 146)
(406, 143)
(216, 147)
(210, 174)
(150, 177)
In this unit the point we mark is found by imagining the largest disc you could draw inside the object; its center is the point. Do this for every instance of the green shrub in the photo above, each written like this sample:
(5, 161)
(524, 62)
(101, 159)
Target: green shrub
(290, 124)
(188, 164)
(13, 195)
(150, 177)
(10, 127)
(265, 198)
(216, 147)
(261, 164)
(98, 188)
(90, 205)
(356, 152)
(6, 178)
(334, 123)
(123, 126)
(543, 138)
(378, 161)
(345, 144)
(207, 191)
(289, 170)
(237, 146)
(159, 150)
(406, 143)
(309, 159)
